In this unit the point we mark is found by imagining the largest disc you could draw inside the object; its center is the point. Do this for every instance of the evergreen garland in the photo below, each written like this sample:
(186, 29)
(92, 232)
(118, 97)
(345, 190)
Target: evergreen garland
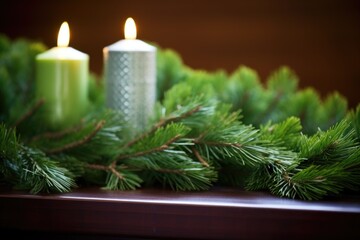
(208, 128)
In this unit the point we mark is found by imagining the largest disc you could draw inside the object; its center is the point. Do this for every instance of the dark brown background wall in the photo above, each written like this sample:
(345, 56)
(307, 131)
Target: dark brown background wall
(320, 39)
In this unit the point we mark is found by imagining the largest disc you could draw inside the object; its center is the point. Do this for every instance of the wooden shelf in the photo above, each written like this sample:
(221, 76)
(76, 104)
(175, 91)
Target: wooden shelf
(152, 213)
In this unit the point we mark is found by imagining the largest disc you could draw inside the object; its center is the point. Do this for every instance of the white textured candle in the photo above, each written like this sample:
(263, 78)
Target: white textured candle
(130, 78)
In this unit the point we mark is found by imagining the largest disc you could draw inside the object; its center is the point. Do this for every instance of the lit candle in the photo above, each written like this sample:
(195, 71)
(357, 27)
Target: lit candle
(130, 76)
(62, 81)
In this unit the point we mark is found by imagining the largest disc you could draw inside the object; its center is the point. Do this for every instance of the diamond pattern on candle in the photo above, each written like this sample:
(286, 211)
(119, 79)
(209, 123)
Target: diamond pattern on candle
(130, 85)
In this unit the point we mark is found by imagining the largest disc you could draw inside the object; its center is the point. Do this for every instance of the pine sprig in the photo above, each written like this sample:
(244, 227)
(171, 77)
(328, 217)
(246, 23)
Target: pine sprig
(177, 171)
(170, 71)
(283, 134)
(329, 165)
(30, 168)
(160, 140)
(171, 118)
(311, 183)
(354, 118)
(332, 145)
(188, 105)
(161, 159)
(97, 137)
(244, 91)
(40, 174)
(275, 165)
(9, 148)
(333, 110)
(121, 179)
(237, 143)
(352, 167)
(17, 68)
(76, 144)
(29, 112)
(281, 85)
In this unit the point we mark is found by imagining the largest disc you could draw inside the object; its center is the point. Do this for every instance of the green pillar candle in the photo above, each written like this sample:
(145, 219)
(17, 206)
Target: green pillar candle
(62, 81)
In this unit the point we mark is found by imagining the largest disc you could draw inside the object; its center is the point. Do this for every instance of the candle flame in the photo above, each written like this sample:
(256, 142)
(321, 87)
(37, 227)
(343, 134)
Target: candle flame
(130, 29)
(64, 35)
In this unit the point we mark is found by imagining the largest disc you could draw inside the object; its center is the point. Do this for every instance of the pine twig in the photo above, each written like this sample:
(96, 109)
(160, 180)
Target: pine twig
(114, 171)
(175, 171)
(200, 158)
(162, 123)
(273, 104)
(59, 134)
(29, 113)
(75, 144)
(149, 151)
(97, 167)
(110, 168)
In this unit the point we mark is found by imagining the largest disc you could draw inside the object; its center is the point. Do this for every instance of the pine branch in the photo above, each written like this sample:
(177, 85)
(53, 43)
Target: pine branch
(334, 109)
(283, 134)
(329, 164)
(332, 145)
(40, 174)
(98, 167)
(150, 151)
(157, 156)
(118, 178)
(29, 168)
(59, 134)
(163, 122)
(246, 93)
(275, 101)
(116, 173)
(175, 170)
(186, 97)
(281, 84)
(97, 139)
(237, 144)
(170, 70)
(72, 164)
(125, 180)
(9, 149)
(109, 168)
(312, 183)
(29, 113)
(172, 171)
(354, 118)
(274, 164)
(306, 105)
(78, 143)
(200, 158)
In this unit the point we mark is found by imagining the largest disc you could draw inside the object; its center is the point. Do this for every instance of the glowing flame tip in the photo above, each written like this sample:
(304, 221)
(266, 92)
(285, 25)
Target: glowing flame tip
(64, 35)
(130, 29)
